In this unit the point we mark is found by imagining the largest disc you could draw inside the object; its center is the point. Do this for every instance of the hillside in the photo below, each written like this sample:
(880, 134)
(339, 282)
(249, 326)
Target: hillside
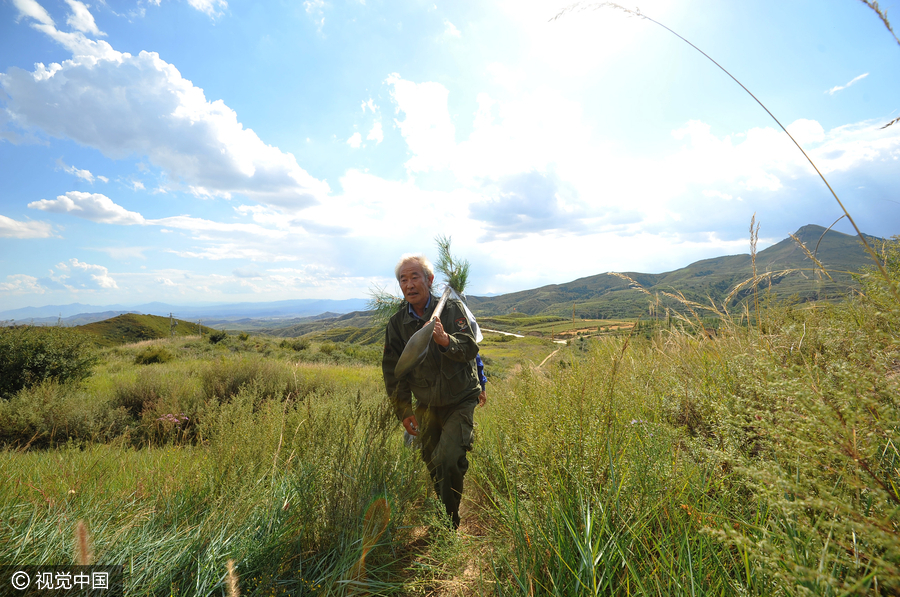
(131, 327)
(598, 297)
(605, 296)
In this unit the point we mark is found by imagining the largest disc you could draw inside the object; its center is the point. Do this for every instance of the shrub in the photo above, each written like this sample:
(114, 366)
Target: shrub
(327, 348)
(244, 336)
(153, 354)
(217, 336)
(50, 414)
(30, 355)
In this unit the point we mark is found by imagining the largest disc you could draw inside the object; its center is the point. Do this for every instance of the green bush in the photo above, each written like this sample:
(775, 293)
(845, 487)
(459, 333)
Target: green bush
(30, 355)
(153, 354)
(297, 344)
(51, 414)
(244, 336)
(217, 336)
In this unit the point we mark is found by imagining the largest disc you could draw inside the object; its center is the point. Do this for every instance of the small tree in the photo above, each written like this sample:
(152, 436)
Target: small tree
(32, 354)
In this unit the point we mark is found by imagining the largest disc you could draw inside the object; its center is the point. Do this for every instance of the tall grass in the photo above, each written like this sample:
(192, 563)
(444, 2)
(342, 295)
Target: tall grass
(281, 487)
(762, 462)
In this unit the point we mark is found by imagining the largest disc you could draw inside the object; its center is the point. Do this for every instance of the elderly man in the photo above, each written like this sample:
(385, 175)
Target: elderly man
(445, 385)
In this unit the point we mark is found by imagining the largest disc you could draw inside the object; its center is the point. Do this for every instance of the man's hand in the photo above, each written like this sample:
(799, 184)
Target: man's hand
(440, 336)
(411, 425)
(482, 398)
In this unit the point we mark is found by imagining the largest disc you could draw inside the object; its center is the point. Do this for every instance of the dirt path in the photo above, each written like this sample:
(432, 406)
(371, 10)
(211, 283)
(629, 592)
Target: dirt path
(548, 357)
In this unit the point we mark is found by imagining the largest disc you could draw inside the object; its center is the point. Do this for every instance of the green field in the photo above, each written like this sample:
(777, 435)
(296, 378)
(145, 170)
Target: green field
(761, 461)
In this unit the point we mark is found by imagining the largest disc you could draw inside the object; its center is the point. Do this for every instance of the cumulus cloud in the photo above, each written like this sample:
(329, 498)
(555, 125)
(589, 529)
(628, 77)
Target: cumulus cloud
(90, 206)
(21, 284)
(837, 88)
(10, 228)
(427, 127)
(78, 275)
(523, 149)
(355, 140)
(82, 19)
(528, 202)
(125, 105)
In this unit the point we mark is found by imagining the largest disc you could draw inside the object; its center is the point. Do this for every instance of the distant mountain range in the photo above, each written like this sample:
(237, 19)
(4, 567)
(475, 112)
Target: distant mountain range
(608, 296)
(80, 314)
(601, 296)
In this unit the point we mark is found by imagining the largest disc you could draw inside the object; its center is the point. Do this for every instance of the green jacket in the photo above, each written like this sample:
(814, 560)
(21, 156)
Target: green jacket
(447, 376)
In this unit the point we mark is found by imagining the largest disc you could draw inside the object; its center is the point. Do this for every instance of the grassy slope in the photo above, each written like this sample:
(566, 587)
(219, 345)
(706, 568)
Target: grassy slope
(758, 464)
(132, 327)
(603, 296)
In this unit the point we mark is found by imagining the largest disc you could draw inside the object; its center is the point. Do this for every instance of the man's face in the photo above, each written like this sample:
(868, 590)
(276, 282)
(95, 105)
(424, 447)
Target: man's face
(415, 285)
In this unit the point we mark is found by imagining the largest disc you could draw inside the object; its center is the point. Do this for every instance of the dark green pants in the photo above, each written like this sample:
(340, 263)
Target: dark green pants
(445, 434)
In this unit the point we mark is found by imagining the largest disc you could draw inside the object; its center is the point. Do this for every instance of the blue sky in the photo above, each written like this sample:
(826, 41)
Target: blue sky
(195, 151)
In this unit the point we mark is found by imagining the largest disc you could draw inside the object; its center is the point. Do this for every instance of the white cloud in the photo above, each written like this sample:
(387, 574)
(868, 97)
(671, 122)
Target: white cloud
(450, 29)
(208, 7)
(427, 127)
(82, 19)
(33, 10)
(583, 39)
(78, 275)
(537, 166)
(97, 207)
(376, 134)
(806, 132)
(315, 9)
(355, 140)
(235, 251)
(123, 253)
(154, 112)
(10, 228)
(200, 225)
(21, 284)
(719, 195)
(90, 206)
(82, 174)
(371, 105)
(834, 90)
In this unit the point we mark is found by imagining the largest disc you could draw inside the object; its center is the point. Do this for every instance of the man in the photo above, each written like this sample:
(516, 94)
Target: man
(445, 385)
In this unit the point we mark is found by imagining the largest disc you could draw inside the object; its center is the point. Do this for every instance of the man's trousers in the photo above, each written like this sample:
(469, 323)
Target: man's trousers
(445, 434)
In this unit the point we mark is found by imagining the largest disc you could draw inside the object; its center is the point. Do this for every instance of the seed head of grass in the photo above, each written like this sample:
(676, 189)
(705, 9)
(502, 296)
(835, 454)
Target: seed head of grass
(232, 580)
(83, 555)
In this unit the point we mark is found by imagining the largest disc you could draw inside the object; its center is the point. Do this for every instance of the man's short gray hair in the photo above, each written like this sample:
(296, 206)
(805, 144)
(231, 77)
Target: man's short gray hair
(417, 258)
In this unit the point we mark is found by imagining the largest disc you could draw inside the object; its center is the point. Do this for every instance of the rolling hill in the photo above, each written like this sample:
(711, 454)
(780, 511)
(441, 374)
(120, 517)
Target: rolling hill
(606, 296)
(131, 327)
